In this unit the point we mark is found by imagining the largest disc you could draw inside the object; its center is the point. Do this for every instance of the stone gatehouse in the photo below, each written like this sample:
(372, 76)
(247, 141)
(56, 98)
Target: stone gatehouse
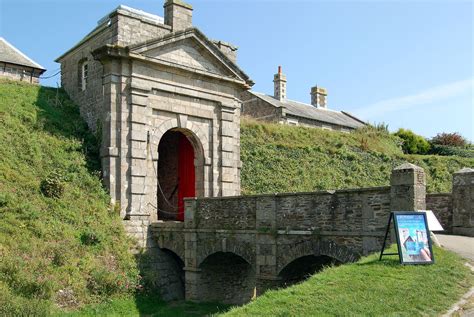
(165, 101)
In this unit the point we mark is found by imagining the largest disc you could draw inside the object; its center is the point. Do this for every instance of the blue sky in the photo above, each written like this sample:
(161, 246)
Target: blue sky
(406, 63)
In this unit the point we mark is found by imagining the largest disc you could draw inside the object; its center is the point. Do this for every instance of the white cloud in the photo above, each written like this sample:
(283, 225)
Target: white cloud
(424, 97)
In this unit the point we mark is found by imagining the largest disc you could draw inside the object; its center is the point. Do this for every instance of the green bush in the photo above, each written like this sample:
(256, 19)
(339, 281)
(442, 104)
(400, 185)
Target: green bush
(52, 186)
(451, 150)
(413, 143)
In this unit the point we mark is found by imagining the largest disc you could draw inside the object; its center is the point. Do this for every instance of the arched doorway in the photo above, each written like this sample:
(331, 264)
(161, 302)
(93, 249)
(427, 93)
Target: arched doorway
(176, 173)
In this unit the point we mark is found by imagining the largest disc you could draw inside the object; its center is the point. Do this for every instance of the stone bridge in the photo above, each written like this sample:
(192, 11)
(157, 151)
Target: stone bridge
(231, 249)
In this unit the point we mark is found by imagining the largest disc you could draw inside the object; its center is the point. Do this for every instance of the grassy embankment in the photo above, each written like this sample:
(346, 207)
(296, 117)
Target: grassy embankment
(66, 250)
(279, 158)
(370, 288)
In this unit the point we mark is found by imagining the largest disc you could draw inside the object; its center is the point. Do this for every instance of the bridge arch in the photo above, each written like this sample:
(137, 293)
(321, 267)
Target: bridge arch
(315, 251)
(175, 275)
(303, 267)
(228, 278)
(243, 250)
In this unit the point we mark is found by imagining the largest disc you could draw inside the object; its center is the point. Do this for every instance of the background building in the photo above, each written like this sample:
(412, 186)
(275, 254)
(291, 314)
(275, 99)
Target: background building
(280, 109)
(16, 65)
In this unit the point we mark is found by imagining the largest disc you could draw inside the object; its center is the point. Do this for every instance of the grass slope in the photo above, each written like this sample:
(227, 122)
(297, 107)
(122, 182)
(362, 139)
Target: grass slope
(279, 158)
(370, 288)
(64, 251)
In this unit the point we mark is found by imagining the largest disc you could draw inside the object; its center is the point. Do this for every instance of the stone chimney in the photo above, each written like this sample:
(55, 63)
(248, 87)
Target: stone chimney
(319, 97)
(178, 15)
(279, 81)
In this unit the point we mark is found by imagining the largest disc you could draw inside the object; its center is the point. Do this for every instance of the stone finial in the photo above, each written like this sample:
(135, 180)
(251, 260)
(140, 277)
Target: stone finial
(319, 97)
(178, 15)
(407, 166)
(279, 80)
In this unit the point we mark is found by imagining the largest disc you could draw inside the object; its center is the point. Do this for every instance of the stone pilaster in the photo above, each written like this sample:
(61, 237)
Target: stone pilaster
(463, 202)
(266, 245)
(192, 273)
(408, 188)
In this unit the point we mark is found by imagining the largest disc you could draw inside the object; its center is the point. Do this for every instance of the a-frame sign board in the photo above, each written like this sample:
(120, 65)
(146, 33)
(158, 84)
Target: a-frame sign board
(413, 237)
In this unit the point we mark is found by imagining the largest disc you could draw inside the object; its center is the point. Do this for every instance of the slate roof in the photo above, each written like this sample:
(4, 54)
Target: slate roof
(303, 110)
(12, 55)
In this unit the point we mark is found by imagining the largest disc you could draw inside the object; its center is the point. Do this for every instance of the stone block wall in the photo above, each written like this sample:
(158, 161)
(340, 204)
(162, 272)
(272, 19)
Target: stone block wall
(121, 28)
(259, 109)
(442, 206)
(266, 234)
(463, 202)
(362, 212)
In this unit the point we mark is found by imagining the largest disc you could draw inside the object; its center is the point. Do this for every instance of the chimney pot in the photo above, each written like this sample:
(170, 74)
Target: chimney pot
(279, 83)
(319, 97)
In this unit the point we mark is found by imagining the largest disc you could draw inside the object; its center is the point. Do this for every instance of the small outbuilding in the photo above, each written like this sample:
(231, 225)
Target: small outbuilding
(16, 65)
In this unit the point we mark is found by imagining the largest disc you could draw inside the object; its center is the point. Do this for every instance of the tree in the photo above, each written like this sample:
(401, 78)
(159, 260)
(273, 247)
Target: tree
(413, 143)
(449, 139)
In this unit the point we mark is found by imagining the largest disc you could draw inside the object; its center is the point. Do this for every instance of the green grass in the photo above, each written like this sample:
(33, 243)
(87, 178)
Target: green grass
(66, 251)
(370, 288)
(279, 158)
(148, 306)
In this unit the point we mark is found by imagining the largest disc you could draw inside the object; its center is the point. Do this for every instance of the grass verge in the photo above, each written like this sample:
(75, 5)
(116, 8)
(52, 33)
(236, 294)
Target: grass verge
(371, 288)
(143, 305)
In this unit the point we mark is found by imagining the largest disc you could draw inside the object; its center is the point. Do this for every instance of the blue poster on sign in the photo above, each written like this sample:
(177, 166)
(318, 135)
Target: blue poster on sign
(414, 244)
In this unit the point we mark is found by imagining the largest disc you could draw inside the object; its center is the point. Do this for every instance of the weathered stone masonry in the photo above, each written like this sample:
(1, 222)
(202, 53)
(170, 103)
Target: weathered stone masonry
(147, 76)
(455, 210)
(266, 234)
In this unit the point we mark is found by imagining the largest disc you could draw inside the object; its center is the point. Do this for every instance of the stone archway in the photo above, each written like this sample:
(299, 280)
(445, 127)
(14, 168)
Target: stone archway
(227, 278)
(303, 267)
(179, 172)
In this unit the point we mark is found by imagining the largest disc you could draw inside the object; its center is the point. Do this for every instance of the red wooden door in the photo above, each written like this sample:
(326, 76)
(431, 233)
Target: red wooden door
(186, 174)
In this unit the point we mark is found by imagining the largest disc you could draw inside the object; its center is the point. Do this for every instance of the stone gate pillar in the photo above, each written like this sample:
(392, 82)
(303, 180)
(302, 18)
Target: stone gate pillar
(266, 240)
(463, 202)
(408, 188)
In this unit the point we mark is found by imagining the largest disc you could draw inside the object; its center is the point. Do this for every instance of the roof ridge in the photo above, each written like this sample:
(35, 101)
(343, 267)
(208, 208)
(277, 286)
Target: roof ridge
(151, 16)
(299, 102)
(21, 53)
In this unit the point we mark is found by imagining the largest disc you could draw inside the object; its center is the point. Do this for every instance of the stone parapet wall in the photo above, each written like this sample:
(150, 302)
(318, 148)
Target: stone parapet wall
(442, 206)
(360, 210)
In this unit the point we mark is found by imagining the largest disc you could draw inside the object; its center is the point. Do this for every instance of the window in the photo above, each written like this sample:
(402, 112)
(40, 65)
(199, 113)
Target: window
(84, 74)
(292, 122)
